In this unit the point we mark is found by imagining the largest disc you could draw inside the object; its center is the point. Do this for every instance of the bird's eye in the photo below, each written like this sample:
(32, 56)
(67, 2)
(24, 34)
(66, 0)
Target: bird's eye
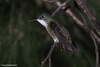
(41, 17)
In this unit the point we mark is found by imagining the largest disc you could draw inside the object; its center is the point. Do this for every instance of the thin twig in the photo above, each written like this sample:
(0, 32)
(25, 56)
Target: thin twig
(94, 41)
(96, 51)
(50, 61)
(65, 4)
(48, 55)
(89, 15)
(95, 36)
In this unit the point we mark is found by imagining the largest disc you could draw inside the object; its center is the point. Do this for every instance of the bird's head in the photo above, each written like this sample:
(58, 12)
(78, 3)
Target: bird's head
(44, 19)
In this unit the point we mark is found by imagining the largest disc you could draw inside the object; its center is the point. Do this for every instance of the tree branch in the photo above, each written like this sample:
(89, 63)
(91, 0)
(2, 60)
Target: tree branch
(89, 15)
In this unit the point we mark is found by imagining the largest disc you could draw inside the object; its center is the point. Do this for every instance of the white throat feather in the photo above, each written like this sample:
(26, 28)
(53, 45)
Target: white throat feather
(42, 22)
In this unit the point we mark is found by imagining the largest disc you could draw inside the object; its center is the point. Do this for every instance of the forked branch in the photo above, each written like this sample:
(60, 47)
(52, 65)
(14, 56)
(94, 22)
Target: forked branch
(49, 56)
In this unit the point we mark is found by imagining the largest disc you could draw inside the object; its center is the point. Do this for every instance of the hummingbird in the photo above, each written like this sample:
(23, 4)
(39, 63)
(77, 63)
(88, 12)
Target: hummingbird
(58, 32)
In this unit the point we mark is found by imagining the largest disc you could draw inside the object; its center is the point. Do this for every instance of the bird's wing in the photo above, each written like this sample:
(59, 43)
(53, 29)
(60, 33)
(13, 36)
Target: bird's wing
(64, 37)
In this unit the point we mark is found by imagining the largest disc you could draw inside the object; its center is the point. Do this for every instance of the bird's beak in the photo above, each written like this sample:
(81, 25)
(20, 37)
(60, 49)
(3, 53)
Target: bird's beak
(32, 20)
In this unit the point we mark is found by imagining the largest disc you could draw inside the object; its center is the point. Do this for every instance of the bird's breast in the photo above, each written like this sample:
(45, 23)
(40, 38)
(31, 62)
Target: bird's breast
(51, 31)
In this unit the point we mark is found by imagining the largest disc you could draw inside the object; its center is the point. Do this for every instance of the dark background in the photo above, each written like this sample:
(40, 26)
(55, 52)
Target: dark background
(27, 43)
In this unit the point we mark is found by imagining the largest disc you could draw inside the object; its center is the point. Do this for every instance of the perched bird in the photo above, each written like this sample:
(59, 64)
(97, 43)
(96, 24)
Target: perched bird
(56, 31)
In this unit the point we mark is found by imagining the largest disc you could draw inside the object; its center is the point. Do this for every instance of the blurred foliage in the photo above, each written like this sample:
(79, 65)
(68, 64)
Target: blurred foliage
(27, 43)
